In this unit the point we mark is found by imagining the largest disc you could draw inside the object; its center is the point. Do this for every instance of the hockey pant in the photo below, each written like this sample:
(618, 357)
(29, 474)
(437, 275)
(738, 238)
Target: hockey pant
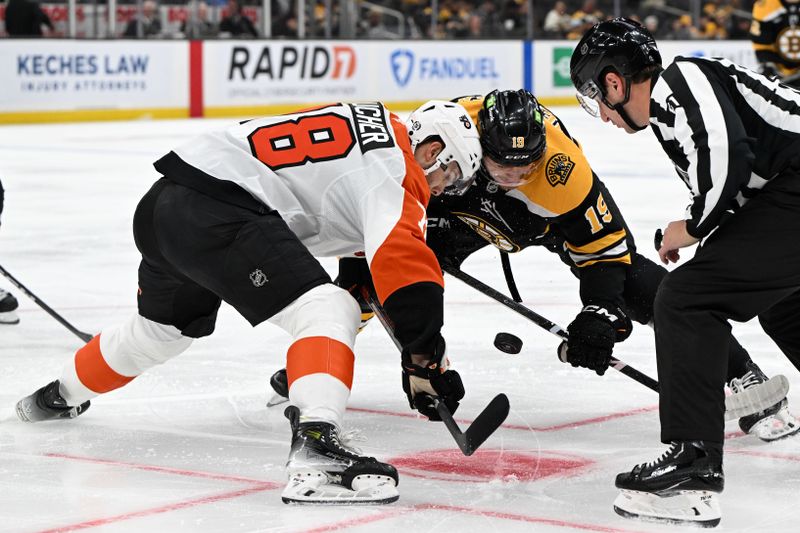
(319, 363)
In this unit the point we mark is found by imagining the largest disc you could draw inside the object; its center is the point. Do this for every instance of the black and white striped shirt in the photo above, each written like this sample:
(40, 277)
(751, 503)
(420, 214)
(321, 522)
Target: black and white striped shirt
(727, 130)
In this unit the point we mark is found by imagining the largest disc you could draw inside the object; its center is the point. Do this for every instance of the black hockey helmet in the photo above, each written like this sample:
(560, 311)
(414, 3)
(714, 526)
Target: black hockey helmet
(619, 44)
(512, 127)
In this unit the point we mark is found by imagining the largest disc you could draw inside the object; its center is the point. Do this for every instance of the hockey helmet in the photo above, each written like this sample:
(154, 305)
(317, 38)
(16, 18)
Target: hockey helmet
(622, 45)
(450, 123)
(512, 127)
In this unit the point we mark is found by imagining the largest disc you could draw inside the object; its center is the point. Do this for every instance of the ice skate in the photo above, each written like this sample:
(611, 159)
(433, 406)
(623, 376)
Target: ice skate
(774, 422)
(47, 404)
(8, 308)
(324, 472)
(680, 487)
(280, 385)
(754, 392)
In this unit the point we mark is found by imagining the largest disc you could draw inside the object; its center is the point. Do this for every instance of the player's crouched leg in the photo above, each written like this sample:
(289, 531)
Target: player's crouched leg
(109, 361)
(319, 368)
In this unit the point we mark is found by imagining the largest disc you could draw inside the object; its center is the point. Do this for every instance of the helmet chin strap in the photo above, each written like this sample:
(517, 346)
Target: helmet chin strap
(428, 171)
(624, 114)
(620, 109)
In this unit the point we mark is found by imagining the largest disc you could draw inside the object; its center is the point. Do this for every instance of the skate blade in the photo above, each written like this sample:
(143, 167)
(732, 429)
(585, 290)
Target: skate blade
(378, 490)
(9, 318)
(276, 399)
(756, 398)
(691, 507)
(779, 426)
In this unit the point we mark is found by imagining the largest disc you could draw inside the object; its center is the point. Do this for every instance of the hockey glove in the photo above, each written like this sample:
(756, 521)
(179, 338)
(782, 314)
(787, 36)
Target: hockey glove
(434, 379)
(592, 336)
(353, 275)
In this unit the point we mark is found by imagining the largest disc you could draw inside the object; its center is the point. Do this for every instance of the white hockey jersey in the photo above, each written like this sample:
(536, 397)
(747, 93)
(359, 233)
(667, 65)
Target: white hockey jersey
(343, 177)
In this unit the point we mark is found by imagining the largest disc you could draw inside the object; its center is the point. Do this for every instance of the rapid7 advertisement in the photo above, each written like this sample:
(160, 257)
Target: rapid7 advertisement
(253, 73)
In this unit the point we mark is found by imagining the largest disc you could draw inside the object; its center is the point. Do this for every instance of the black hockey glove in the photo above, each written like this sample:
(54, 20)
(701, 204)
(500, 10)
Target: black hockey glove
(353, 275)
(592, 336)
(433, 380)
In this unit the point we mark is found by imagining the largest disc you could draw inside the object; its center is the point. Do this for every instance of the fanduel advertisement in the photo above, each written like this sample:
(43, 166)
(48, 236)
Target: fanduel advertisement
(248, 73)
(423, 70)
(74, 75)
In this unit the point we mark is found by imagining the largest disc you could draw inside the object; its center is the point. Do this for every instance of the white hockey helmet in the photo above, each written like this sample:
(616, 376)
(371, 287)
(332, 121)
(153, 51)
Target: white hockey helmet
(449, 122)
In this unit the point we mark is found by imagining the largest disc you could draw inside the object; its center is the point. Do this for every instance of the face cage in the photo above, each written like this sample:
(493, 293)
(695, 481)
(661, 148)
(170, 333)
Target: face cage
(456, 183)
(511, 184)
(589, 97)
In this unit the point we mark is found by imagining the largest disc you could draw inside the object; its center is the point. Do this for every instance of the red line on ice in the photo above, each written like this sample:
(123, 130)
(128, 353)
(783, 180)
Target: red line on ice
(164, 469)
(257, 485)
(466, 510)
(565, 425)
(164, 508)
(768, 455)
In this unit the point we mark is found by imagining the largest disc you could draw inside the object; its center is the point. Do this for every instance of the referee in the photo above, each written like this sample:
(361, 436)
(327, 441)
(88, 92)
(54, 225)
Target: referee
(734, 138)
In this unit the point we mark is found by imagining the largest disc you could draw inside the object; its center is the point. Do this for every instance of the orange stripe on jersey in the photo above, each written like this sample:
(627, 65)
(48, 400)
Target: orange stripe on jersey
(404, 258)
(93, 370)
(315, 355)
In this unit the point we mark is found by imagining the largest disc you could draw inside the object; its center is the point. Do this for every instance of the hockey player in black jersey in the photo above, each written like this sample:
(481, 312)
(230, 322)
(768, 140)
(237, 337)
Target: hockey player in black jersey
(732, 135)
(536, 188)
(775, 34)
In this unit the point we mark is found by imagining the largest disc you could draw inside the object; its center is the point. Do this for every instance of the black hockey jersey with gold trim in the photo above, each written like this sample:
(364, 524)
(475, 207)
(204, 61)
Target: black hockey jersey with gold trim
(775, 33)
(565, 207)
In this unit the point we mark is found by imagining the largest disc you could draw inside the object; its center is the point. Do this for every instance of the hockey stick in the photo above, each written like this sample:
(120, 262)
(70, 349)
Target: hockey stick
(747, 402)
(512, 285)
(85, 337)
(542, 322)
(487, 421)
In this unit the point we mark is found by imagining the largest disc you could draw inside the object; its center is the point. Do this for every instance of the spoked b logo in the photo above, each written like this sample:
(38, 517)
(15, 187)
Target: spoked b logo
(402, 62)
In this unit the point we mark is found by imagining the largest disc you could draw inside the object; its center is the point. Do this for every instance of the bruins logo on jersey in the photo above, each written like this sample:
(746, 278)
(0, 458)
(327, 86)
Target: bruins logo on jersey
(489, 232)
(558, 169)
(788, 42)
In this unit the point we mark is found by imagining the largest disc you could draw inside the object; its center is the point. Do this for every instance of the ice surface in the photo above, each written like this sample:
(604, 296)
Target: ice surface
(189, 446)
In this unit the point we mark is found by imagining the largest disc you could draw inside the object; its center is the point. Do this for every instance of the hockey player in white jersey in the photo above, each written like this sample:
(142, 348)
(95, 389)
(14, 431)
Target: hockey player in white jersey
(239, 216)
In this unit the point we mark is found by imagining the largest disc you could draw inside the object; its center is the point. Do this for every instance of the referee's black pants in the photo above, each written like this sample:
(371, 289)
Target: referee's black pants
(750, 266)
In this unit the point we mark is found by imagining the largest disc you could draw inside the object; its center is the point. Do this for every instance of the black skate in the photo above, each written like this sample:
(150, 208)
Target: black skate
(8, 308)
(323, 471)
(47, 404)
(679, 487)
(774, 422)
(280, 384)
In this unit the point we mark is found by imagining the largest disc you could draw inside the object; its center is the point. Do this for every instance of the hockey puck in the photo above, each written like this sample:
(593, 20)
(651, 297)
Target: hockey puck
(508, 343)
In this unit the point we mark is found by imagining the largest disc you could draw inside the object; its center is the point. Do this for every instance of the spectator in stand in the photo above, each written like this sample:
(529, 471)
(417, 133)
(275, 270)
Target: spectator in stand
(375, 27)
(236, 24)
(486, 12)
(513, 18)
(557, 22)
(149, 21)
(651, 23)
(584, 18)
(285, 25)
(682, 29)
(25, 18)
(197, 25)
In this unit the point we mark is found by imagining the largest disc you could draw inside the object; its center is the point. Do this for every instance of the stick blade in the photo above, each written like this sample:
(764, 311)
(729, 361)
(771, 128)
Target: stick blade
(491, 418)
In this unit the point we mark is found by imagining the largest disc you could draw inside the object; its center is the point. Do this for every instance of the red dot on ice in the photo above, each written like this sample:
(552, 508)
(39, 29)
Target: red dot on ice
(489, 464)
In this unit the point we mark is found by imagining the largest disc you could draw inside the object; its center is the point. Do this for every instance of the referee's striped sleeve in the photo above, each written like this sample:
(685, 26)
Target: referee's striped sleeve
(712, 137)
